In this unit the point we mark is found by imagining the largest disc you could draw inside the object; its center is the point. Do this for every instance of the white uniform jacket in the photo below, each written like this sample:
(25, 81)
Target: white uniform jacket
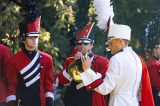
(122, 79)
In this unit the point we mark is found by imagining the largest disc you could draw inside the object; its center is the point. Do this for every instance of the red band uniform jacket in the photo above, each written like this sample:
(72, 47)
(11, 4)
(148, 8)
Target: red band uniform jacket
(153, 65)
(4, 56)
(30, 81)
(76, 93)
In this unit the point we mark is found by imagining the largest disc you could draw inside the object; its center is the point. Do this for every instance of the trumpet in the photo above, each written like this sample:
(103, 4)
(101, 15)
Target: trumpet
(75, 68)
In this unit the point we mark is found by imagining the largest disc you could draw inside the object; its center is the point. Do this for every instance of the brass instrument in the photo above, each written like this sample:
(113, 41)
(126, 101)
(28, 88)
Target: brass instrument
(75, 68)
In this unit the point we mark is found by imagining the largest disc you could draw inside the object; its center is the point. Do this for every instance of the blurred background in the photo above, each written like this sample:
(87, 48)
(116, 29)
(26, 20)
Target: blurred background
(61, 19)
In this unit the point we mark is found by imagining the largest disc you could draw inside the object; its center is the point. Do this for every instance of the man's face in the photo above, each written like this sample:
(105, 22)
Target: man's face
(31, 42)
(84, 47)
(157, 51)
(113, 45)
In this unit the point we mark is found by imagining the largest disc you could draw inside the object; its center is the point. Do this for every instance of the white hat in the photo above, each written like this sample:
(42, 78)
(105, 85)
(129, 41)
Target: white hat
(119, 31)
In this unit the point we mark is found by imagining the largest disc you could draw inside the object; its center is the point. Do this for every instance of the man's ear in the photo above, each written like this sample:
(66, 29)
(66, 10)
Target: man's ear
(92, 45)
(23, 39)
(122, 41)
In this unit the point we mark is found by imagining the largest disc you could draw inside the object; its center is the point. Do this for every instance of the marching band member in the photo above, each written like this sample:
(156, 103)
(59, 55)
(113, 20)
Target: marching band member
(30, 71)
(4, 56)
(126, 72)
(76, 93)
(153, 60)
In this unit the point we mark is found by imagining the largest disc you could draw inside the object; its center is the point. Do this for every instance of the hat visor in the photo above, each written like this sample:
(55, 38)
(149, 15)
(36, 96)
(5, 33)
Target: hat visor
(84, 41)
(35, 34)
(157, 46)
(109, 40)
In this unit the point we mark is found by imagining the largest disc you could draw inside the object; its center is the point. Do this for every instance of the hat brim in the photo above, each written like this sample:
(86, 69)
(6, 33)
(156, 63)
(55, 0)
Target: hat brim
(84, 41)
(32, 34)
(109, 40)
(157, 46)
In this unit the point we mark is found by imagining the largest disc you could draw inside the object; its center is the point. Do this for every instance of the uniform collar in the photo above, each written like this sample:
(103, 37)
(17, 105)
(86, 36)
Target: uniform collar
(127, 49)
(124, 49)
(29, 52)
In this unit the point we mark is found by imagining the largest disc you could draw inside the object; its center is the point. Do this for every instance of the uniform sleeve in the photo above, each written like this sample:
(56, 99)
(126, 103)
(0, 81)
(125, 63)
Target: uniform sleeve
(49, 79)
(102, 68)
(107, 84)
(12, 78)
(63, 77)
(5, 58)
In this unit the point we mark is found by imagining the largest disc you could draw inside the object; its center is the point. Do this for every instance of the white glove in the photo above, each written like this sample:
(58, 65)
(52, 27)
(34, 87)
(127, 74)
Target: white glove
(159, 93)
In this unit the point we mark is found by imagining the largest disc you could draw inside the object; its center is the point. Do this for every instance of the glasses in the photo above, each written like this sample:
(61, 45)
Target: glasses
(83, 43)
(157, 46)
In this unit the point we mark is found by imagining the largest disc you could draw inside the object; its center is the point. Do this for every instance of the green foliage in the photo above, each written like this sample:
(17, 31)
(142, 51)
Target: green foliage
(10, 16)
(56, 18)
(49, 47)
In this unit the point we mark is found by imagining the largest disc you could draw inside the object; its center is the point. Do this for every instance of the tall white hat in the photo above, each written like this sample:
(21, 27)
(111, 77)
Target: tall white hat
(119, 31)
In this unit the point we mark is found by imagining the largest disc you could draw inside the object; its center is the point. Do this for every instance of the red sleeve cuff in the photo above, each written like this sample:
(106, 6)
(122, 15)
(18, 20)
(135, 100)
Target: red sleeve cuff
(94, 84)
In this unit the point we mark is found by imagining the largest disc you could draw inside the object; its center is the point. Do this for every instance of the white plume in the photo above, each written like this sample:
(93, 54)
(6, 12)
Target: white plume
(104, 11)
